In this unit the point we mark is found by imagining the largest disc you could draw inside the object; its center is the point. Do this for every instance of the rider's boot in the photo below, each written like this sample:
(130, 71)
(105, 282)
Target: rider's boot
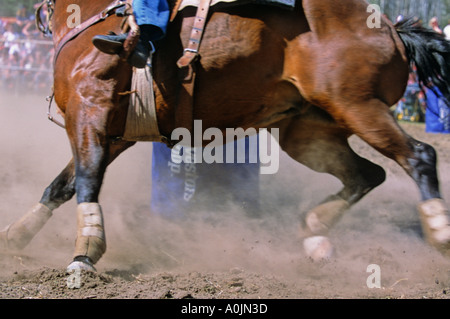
(114, 44)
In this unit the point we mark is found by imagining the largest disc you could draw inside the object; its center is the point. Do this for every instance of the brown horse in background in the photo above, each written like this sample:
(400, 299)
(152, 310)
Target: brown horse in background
(318, 73)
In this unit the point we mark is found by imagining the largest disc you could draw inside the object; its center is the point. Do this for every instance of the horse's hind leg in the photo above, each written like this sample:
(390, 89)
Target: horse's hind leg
(315, 140)
(373, 122)
(18, 234)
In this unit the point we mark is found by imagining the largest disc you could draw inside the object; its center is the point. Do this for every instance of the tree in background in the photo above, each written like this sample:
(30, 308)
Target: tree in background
(423, 9)
(9, 8)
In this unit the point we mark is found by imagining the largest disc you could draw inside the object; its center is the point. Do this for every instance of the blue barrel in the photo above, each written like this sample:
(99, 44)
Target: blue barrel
(437, 115)
(190, 188)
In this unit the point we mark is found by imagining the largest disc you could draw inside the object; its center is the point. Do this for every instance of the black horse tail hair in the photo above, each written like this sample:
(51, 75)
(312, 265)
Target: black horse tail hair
(429, 51)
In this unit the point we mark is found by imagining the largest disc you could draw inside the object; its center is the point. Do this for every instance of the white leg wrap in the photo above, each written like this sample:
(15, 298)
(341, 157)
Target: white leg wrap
(20, 233)
(435, 223)
(320, 219)
(91, 240)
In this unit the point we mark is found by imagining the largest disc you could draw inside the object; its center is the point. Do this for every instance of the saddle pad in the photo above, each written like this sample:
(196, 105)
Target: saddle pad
(283, 3)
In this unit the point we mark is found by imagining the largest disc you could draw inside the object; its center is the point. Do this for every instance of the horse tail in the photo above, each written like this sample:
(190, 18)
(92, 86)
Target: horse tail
(429, 51)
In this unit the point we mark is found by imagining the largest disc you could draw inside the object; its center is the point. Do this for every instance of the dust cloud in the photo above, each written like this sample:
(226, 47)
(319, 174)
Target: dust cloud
(383, 229)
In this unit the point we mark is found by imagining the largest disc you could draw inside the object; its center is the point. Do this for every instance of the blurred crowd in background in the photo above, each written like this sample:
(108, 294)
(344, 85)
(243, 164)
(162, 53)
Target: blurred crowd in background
(25, 55)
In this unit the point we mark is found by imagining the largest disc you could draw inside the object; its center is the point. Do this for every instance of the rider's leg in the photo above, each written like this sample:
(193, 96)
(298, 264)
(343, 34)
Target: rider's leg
(152, 18)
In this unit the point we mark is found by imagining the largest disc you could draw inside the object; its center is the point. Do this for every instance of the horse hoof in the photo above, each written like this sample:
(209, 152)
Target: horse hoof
(81, 263)
(436, 224)
(318, 248)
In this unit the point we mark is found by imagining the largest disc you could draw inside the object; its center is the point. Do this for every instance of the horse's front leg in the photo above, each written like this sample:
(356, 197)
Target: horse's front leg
(86, 128)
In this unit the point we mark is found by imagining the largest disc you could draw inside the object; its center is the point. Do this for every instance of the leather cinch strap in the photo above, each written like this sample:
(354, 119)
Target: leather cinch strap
(191, 52)
(185, 108)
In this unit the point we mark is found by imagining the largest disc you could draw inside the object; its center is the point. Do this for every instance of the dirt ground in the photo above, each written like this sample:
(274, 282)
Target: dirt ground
(223, 255)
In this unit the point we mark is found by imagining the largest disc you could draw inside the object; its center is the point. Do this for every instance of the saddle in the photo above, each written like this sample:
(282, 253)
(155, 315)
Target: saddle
(138, 127)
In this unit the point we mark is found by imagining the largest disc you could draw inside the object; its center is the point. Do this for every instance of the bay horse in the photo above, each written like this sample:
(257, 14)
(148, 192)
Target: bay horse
(317, 72)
